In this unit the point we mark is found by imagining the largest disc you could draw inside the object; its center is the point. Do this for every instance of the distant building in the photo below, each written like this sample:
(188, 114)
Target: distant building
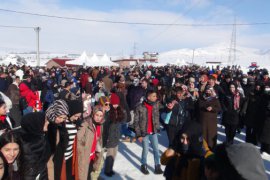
(57, 62)
(148, 58)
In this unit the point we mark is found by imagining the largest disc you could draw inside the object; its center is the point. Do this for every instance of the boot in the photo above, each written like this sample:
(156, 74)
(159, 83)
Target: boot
(144, 169)
(109, 166)
(158, 169)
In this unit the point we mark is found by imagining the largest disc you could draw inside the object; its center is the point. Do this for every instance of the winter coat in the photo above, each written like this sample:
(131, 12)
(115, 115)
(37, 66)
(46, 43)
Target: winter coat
(85, 137)
(35, 145)
(114, 132)
(175, 171)
(29, 95)
(231, 116)
(67, 95)
(3, 85)
(141, 119)
(208, 119)
(182, 112)
(35, 155)
(251, 109)
(209, 115)
(13, 93)
(84, 79)
(265, 111)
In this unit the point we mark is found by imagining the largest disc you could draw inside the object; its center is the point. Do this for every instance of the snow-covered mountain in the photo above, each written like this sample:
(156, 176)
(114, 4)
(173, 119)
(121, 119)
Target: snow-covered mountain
(217, 53)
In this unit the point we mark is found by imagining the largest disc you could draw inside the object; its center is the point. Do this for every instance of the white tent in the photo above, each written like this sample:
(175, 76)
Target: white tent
(82, 60)
(180, 62)
(105, 61)
(94, 61)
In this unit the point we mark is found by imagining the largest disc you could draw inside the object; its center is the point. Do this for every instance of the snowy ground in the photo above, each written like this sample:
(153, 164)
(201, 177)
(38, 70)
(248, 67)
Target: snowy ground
(127, 164)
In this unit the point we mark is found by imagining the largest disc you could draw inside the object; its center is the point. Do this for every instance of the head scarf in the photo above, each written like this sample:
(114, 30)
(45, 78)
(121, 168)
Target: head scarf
(33, 123)
(58, 108)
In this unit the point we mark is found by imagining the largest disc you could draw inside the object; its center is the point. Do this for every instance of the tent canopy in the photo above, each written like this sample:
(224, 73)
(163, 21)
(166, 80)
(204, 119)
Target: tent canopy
(82, 60)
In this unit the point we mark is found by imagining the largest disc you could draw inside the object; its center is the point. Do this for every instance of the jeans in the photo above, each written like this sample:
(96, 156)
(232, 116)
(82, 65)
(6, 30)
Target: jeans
(29, 109)
(125, 131)
(154, 142)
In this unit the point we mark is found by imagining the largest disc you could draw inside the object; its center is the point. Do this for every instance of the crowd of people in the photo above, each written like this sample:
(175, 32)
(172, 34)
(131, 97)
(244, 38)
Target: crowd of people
(72, 120)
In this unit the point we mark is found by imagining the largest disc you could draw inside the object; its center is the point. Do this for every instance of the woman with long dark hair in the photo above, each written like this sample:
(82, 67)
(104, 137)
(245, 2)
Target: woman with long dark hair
(231, 106)
(116, 116)
(10, 146)
(3, 167)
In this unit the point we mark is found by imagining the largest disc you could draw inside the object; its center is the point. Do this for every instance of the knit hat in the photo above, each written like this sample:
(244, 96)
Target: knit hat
(103, 99)
(115, 99)
(58, 108)
(75, 106)
(155, 82)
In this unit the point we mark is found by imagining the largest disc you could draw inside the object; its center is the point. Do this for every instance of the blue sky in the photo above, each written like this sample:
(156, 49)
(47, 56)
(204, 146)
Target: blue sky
(74, 36)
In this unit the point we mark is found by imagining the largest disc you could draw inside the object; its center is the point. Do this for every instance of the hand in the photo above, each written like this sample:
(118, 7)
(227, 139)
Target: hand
(140, 139)
(209, 108)
(169, 152)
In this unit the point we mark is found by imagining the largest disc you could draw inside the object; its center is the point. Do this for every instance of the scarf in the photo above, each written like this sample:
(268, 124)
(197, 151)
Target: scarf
(94, 145)
(236, 100)
(58, 108)
(149, 108)
(3, 118)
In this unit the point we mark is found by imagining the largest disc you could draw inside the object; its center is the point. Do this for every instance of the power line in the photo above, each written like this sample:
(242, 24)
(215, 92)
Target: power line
(174, 22)
(18, 27)
(135, 23)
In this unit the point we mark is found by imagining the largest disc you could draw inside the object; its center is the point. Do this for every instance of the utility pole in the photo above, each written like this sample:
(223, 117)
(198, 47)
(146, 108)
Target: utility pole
(193, 56)
(232, 51)
(37, 29)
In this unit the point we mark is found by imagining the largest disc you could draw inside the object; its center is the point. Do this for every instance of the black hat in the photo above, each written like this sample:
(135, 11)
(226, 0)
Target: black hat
(75, 106)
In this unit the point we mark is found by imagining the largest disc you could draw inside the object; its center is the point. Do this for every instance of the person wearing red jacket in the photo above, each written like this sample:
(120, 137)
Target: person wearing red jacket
(30, 97)
(84, 79)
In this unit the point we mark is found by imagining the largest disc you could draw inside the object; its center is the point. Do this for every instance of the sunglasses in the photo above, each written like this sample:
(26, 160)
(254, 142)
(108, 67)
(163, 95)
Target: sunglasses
(107, 104)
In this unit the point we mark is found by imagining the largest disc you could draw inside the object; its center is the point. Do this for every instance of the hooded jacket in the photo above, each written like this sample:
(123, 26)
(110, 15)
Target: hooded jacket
(35, 146)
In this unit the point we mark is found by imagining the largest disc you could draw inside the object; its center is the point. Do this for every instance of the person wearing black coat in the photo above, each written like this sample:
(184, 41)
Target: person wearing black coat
(251, 112)
(177, 113)
(265, 111)
(36, 147)
(231, 106)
